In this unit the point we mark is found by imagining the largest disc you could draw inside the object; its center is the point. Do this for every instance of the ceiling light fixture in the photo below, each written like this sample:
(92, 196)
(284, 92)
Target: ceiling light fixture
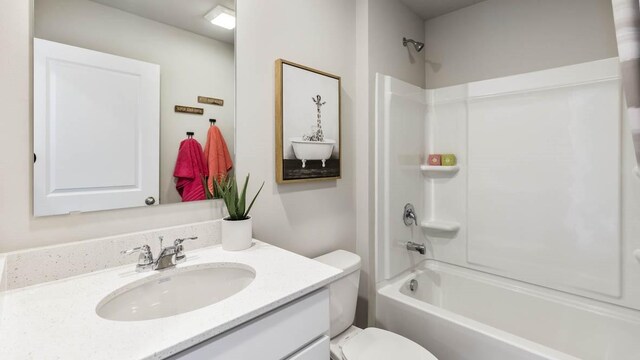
(222, 16)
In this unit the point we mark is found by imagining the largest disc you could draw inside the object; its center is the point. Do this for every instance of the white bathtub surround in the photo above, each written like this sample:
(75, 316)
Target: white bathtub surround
(539, 216)
(565, 123)
(60, 317)
(312, 150)
(236, 234)
(545, 148)
(499, 318)
(39, 265)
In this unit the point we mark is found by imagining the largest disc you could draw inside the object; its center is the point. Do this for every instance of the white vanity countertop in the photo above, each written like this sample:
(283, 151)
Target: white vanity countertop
(57, 320)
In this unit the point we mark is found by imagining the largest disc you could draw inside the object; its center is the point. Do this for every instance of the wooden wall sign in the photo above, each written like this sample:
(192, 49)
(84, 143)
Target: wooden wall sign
(210, 101)
(189, 110)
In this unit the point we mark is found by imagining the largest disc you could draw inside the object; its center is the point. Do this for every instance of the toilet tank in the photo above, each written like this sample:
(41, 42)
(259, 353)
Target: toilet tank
(344, 291)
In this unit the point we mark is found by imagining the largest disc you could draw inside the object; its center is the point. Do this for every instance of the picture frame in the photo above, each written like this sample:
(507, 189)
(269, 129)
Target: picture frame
(308, 124)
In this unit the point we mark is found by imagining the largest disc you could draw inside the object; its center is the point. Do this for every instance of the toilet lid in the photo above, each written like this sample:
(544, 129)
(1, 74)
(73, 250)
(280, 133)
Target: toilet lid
(378, 344)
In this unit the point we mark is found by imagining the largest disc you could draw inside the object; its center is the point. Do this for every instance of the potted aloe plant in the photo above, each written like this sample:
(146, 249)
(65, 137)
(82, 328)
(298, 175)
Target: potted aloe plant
(212, 195)
(236, 228)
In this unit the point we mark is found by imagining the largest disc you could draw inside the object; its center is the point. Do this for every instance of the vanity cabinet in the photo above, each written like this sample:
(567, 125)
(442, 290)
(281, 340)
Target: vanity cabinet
(295, 331)
(319, 349)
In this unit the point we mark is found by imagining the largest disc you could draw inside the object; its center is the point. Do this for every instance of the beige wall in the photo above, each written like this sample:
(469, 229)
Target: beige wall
(308, 218)
(363, 169)
(504, 37)
(389, 22)
(190, 65)
(380, 27)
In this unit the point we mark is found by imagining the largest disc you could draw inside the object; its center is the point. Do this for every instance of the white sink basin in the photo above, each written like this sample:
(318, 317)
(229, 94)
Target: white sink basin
(175, 291)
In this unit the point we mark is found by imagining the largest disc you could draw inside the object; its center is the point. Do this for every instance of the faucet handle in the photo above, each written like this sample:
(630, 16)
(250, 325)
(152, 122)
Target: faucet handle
(177, 243)
(145, 260)
(131, 251)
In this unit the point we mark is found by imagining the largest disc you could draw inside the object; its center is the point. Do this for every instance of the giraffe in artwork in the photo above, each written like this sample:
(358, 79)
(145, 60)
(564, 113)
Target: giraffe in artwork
(317, 133)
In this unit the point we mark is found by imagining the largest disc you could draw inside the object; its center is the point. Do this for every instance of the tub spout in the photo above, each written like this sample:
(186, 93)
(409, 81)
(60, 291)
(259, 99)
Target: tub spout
(411, 246)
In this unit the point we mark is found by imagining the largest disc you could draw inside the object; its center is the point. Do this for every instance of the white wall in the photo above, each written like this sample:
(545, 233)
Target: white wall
(190, 65)
(505, 37)
(310, 218)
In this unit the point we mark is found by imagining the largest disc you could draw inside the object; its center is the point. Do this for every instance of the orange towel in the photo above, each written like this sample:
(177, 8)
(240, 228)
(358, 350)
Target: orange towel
(217, 155)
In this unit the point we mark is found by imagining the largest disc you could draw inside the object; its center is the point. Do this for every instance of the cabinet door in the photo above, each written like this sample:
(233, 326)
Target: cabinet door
(273, 336)
(318, 350)
(96, 130)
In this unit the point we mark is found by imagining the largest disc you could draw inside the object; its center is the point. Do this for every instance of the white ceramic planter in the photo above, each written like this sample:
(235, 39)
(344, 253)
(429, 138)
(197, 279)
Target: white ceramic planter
(236, 234)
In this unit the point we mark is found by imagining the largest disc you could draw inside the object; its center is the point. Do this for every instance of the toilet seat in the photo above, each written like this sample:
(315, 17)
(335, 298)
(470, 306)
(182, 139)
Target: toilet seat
(378, 344)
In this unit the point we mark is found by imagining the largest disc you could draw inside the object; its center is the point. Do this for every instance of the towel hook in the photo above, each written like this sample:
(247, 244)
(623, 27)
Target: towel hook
(190, 134)
(212, 121)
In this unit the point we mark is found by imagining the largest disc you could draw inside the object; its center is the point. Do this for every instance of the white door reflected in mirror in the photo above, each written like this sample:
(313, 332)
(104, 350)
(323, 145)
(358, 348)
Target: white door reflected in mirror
(96, 130)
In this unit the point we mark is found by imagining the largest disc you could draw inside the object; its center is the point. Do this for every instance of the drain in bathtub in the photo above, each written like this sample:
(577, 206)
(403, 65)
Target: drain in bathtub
(413, 285)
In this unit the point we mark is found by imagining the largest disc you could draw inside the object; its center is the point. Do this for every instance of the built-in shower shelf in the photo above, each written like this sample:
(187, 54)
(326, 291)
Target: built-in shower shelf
(445, 226)
(432, 170)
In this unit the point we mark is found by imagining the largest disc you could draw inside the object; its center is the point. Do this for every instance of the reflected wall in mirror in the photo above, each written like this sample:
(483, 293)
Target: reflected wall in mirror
(109, 78)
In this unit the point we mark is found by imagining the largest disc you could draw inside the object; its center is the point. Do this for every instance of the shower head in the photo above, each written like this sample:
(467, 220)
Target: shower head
(416, 44)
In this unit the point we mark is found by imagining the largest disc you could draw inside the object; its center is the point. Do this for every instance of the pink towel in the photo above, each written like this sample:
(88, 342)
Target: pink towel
(189, 170)
(217, 155)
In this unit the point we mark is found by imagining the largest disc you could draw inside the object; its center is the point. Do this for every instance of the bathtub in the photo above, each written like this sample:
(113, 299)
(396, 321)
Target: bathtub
(312, 150)
(462, 314)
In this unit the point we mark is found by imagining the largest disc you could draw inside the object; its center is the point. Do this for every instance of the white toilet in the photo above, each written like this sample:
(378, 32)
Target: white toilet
(349, 342)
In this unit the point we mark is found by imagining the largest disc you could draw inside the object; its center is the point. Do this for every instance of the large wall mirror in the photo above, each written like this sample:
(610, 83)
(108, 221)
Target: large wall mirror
(134, 102)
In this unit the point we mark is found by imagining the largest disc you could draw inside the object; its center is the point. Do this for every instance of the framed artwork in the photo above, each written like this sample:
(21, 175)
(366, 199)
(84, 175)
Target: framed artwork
(308, 133)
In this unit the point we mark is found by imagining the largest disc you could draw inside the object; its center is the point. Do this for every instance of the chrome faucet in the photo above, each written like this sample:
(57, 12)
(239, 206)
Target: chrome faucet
(411, 246)
(168, 257)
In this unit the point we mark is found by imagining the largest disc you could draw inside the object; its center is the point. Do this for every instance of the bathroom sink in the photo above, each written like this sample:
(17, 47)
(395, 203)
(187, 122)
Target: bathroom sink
(175, 291)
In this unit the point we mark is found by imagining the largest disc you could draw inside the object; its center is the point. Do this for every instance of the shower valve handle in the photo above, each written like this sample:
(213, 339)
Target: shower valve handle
(409, 215)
